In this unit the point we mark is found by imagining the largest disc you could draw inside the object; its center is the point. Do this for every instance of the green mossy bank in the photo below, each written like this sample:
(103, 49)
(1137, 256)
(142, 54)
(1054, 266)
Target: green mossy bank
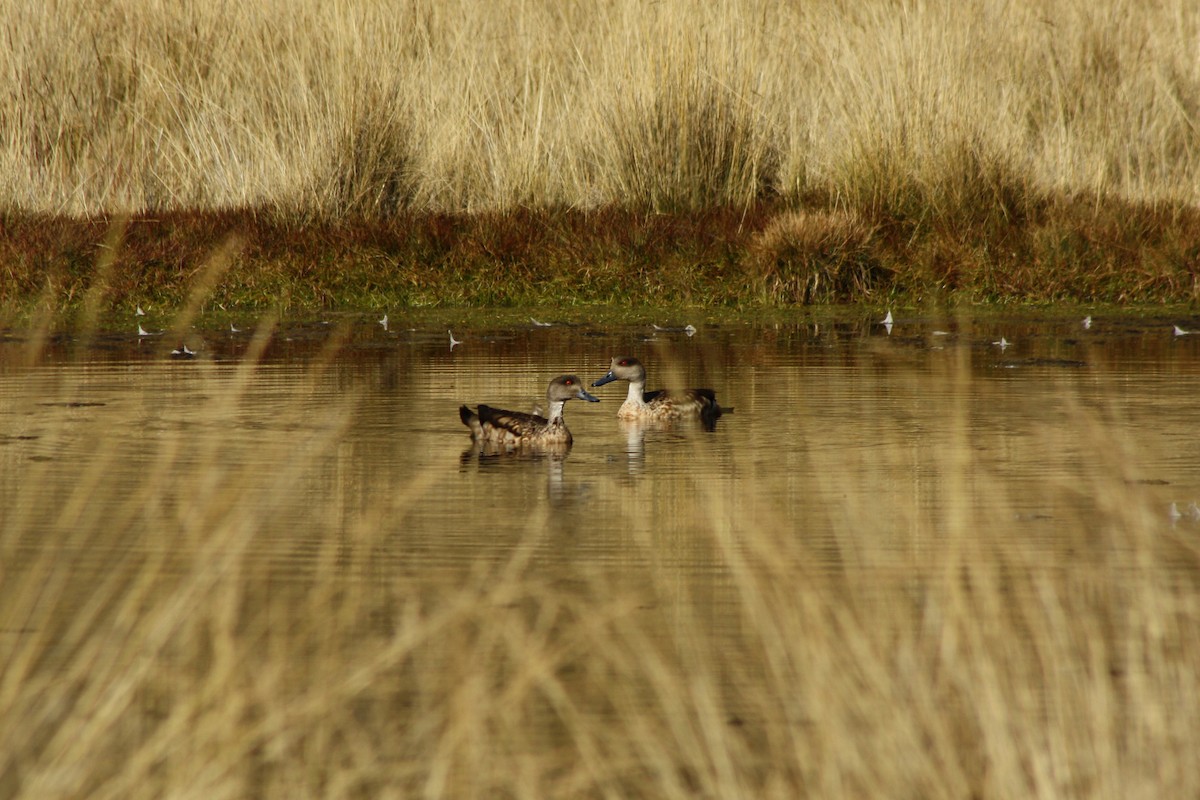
(767, 256)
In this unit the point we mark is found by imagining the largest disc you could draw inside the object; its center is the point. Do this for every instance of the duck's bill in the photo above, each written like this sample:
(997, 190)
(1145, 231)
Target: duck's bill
(591, 398)
(609, 378)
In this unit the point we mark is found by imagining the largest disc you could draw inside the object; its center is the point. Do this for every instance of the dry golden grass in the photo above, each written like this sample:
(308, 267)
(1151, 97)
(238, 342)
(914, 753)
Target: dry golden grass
(213, 632)
(964, 111)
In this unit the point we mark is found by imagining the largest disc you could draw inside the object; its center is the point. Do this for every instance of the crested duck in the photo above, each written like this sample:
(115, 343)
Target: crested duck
(661, 405)
(515, 428)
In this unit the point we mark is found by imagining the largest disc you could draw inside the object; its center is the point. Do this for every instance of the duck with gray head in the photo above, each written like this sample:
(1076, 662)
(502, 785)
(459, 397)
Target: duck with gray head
(661, 405)
(516, 429)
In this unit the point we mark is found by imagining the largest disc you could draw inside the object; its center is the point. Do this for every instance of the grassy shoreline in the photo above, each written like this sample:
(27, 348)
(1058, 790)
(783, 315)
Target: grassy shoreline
(466, 154)
(764, 257)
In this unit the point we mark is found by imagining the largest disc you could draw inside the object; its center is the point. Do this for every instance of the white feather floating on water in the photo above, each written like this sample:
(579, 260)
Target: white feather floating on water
(689, 329)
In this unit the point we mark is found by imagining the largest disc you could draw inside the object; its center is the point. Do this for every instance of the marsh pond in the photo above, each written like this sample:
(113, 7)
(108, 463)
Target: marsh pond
(316, 477)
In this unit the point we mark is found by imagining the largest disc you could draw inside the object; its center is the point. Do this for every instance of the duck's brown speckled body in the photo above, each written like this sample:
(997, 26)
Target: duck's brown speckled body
(517, 429)
(661, 405)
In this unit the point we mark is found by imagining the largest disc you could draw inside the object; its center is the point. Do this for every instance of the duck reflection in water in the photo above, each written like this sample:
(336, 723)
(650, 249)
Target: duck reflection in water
(499, 460)
(662, 405)
(516, 429)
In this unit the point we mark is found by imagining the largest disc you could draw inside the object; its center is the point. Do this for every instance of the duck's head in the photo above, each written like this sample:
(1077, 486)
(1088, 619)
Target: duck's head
(568, 387)
(623, 368)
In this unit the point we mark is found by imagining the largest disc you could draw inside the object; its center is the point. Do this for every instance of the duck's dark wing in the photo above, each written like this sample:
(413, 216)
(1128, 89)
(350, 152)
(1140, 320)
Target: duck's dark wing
(518, 422)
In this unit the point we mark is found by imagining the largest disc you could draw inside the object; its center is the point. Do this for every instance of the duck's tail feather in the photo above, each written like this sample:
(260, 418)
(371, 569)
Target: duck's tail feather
(471, 420)
(711, 412)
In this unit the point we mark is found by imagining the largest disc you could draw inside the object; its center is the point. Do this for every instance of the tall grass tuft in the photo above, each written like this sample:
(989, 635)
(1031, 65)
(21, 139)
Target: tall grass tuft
(807, 257)
(370, 172)
(691, 146)
(679, 124)
(928, 135)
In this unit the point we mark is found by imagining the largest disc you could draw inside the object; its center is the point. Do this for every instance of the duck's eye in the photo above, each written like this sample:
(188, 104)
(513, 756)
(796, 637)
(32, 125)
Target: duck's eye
(624, 362)
(568, 382)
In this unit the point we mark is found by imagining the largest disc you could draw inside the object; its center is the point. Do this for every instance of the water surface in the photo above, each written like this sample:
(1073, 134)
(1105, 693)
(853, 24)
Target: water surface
(836, 427)
(891, 530)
